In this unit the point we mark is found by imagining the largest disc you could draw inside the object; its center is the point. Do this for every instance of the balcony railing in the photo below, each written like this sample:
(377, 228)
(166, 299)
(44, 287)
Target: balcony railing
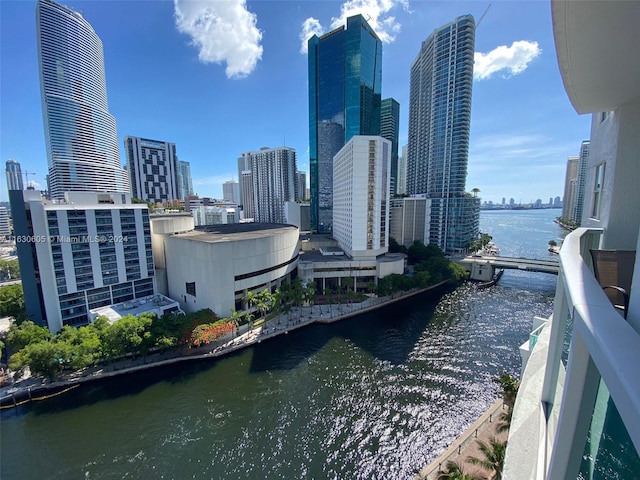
(553, 412)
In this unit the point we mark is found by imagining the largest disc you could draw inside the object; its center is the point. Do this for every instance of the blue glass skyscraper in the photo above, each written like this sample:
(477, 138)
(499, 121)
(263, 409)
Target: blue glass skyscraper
(345, 81)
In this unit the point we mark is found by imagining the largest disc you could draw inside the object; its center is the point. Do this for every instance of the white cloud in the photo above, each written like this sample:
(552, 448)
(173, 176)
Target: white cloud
(376, 12)
(515, 59)
(222, 32)
(310, 27)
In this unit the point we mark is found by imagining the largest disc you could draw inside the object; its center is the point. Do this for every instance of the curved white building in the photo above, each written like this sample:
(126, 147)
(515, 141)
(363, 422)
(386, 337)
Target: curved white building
(217, 265)
(80, 133)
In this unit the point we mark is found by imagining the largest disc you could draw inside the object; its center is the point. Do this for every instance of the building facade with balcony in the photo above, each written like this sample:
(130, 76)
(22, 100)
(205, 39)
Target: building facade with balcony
(441, 82)
(577, 413)
(80, 133)
(88, 251)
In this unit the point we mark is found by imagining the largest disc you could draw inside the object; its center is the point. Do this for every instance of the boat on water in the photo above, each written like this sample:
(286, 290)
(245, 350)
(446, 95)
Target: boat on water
(491, 249)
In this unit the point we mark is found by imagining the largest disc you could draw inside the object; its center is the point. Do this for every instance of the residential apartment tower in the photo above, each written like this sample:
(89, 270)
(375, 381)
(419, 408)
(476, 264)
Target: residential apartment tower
(80, 133)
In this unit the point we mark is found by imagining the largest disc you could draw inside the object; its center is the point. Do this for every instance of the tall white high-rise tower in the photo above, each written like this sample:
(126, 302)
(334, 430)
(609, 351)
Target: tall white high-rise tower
(80, 133)
(439, 123)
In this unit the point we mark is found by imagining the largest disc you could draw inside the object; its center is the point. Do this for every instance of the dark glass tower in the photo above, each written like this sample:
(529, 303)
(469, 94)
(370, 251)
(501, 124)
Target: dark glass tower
(345, 79)
(390, 129)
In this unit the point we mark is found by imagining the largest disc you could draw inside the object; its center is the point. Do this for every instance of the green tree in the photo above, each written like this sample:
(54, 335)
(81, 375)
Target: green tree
(422, 279)
(493, 460)
(454, 472)
(265, 302)
(10, 269)
(83, 344)
(395, 247)
(252, 300)
(348, 283)
(504, 420)
(46, 358)
(12, 303)
(26, 333)
(309, 293)
(509, 388)
(237, 318)
(128, 335)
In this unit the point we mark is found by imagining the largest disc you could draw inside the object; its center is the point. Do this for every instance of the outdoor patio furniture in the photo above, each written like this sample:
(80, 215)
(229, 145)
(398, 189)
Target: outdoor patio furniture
(614, 270)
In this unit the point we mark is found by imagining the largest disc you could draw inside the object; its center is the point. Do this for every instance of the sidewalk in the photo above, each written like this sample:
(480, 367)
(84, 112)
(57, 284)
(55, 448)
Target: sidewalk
(465, 445)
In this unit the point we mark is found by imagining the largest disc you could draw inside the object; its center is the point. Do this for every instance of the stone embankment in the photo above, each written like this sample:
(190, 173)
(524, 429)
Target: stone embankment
(34, 389)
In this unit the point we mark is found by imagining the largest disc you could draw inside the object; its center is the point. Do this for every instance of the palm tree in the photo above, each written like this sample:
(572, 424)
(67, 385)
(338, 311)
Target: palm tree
(509, 387)
(252, 300)
(265, 300)
(504, 421)
(493, 457)
(475, 191)
(329, 295)
(236, 317)
(455, 472)
(309, 293)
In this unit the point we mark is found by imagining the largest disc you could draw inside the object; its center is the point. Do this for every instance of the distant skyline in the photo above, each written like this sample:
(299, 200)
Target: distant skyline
(172, 74)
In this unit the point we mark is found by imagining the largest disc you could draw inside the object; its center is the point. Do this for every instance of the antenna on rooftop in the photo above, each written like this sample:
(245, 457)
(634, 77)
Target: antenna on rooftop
(482, 16)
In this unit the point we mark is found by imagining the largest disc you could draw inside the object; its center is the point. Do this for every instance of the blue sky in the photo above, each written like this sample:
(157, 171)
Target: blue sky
(218, 78)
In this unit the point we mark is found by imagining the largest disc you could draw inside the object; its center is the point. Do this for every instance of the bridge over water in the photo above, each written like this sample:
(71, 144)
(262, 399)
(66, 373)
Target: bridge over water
(484, 267)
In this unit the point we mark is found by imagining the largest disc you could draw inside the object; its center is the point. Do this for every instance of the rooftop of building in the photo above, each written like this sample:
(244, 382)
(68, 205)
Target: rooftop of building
(318, 256)
(236, 231)
(136, 307)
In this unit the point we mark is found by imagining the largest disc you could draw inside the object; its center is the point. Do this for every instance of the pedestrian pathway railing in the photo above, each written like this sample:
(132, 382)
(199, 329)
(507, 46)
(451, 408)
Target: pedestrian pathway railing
(482, 429)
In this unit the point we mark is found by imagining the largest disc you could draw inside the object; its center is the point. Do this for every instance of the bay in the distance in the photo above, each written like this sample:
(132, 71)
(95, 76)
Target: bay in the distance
(377, 396)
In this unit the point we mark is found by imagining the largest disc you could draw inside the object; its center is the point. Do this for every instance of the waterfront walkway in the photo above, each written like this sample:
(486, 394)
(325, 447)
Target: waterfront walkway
(35, 388)
(484, 429)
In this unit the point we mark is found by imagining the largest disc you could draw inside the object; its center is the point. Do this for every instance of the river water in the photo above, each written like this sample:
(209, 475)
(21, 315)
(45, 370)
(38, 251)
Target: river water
(375, 397)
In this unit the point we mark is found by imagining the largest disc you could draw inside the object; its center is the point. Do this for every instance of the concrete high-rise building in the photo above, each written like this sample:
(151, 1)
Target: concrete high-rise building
(153, 169)
(581, 418)
(361, 171)
(5, 224)
(215, 214)
(80, 133)
(272, 176)
(301, 185)
(246, 185)
(390, 129)
(409, 220)
(583, 158)
(345, 79)
(185, 183)
(88, 251)
(14, 175)
(231, 191)
(570, 182)
(439, 123)
(401, 185)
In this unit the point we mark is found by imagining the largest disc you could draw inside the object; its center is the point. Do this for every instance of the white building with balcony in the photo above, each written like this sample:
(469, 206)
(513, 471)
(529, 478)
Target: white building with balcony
(577, 414)
(88, 251)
